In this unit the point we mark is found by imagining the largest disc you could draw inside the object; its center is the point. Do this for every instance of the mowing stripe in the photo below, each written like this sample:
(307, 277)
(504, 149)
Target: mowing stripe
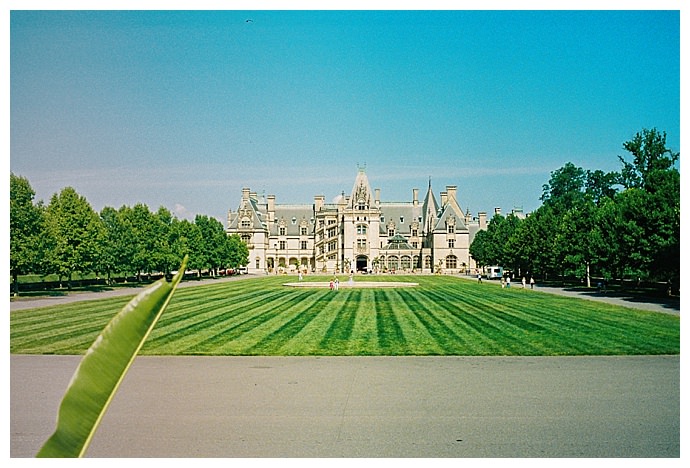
(302, 311)
(390, 336)
(194, 330)
(444, 336)
(336, 337)
(231, 327)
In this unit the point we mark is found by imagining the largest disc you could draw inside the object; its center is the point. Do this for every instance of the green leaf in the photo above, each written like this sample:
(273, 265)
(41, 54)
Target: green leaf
(104, 367)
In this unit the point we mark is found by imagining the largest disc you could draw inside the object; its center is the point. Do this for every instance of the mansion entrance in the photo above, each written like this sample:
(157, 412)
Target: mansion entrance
(362, 263)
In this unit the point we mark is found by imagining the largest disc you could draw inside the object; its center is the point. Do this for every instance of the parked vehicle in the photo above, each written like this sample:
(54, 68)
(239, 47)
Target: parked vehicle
(494, 272)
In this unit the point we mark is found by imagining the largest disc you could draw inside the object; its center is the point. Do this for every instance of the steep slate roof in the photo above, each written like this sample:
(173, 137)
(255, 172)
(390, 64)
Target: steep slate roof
(257, 217)
(447, 212)
(293, 216)
(402, 214)
(429, 210)
(361, 190)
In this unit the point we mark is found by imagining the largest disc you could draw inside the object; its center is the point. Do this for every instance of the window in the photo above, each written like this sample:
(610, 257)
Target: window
(246, 223)
(294, 220)
(361, 229)
(331, 232)
(281, 245)
(405, 262)
(332, 245)
(281, 231)
(451, 228)
(427, 262)
(402, 219)
(303, 231)
(303, 245)
(415, 244)
(392, 262)
(246, 238)
(451, 262)
(391, 232)
(415, 233)
(361, 244)
(451, 243)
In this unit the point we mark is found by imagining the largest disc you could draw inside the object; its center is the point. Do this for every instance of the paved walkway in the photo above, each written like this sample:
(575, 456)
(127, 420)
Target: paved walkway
(622, 406)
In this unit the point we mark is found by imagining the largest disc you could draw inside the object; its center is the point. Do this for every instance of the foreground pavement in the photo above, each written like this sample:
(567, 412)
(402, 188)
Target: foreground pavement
(622, 406)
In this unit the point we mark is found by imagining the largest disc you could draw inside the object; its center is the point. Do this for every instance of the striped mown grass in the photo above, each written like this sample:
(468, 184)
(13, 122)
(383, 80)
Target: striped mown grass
(442, 316)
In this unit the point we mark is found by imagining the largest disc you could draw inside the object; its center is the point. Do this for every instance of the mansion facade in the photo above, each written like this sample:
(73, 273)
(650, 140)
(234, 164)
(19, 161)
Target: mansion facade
(358, 233)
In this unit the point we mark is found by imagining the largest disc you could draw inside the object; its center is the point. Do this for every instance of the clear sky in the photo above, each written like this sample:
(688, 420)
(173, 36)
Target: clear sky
(184, 108)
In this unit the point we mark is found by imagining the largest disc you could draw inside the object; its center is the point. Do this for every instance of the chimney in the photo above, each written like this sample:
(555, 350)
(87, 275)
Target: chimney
(452, 192)
(318, 202)
(245, 193)
(271, 206)
(377, 196)
(415, 197)
(444, 199)
(253, 196)
(482, 220)
(497, 211)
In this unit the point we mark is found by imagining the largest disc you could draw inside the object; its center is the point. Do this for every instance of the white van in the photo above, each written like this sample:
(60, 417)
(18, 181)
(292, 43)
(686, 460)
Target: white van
(494, 272)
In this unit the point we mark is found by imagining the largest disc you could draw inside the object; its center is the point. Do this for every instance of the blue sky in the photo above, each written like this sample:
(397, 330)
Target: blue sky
(183, 109)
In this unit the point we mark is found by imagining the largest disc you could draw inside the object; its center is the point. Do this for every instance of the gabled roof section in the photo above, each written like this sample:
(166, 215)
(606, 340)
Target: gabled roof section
(361, 191)
(249, 209)
(450, 215)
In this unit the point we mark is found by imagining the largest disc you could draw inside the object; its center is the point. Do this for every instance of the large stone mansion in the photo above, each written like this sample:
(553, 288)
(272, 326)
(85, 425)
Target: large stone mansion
(358, 232)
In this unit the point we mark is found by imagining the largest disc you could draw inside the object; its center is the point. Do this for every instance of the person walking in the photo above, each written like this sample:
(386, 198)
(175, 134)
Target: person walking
(524, 282)
(531, 282)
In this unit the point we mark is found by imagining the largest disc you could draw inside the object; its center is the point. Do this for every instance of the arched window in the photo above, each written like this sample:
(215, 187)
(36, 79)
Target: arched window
(393, 262)
(405, 262)
(451, 262)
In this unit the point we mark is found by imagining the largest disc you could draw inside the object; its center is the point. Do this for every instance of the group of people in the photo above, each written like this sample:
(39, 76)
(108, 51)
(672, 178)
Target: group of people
(505, 282)
(335, 282)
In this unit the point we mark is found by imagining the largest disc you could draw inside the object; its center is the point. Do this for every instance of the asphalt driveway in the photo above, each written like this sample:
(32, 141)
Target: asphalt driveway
(625, 406)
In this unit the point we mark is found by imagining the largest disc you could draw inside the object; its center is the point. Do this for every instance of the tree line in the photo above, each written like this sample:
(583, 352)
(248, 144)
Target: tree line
(68, 237)
(608, 225)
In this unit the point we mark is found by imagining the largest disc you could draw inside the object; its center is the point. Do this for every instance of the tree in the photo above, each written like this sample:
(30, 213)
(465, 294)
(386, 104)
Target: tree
(185, 239)
(140, 221)
(26, 228)
(564, 187)
(108, 262)
(650, 157)
(237, 251)
(77, 234)
(651, 202)
(213, 241)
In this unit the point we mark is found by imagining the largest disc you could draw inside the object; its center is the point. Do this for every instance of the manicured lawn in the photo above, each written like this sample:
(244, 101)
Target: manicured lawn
(442, 316)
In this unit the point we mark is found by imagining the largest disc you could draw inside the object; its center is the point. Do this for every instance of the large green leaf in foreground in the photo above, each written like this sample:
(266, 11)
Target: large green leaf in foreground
(104, 367)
